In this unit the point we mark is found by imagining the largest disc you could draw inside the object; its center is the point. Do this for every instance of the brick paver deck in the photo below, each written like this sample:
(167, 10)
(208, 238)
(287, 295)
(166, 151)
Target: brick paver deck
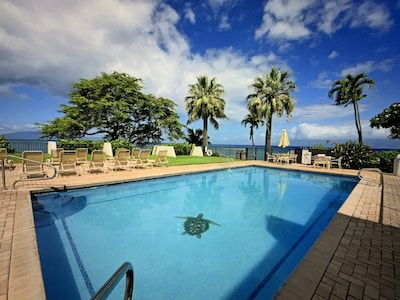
(357, 256)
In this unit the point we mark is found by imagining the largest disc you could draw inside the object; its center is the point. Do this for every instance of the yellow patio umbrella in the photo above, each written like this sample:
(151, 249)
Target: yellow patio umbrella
(284, 141)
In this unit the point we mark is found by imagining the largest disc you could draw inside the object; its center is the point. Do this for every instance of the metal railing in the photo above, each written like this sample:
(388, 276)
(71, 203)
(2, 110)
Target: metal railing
(371, 170)
(125, 269)
(3, 171)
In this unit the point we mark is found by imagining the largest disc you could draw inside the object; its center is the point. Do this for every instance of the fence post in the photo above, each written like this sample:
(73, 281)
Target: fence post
(51, 146)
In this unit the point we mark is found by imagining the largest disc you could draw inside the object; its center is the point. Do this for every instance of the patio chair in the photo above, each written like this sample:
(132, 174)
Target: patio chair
(292, 158)
(322, 160)
(271, 157)
(161, 159)
(121, 160)
(4, 162)
(81, 155)
(144, 159)
(135, 154)
(97, 162)
(32, 167)
(68, 163)
(337, 162)
(55, 156)
(283, 158)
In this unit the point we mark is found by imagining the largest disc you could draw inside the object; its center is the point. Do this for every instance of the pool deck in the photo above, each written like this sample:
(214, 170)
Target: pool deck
(356, 257)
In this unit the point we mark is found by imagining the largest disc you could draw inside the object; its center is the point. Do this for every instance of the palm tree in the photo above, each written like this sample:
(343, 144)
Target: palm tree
(253, 121)
(194, 137)
(271, 94)
(350, 90)
(205, 102)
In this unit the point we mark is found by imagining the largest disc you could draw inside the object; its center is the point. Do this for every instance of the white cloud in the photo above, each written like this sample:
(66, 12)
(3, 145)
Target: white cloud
(333, 54)
(323, 112)
(373, 15)
(224, 24)
(70, 40)
(333, 15)
(368, 67)
(334, 131)
(297, 20)
(189, 15)
(284, 20)
(322, 82)
(54, 47)
(312, 131)
(217, 4)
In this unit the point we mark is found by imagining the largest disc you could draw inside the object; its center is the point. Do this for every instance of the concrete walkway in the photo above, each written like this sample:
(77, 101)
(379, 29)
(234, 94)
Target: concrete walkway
(357, 256)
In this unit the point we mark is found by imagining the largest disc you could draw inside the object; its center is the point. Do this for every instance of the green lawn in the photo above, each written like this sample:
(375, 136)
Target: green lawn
(180, 160)
(195, 160)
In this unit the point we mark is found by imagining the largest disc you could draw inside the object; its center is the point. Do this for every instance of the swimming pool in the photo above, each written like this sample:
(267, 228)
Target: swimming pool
(269, 219)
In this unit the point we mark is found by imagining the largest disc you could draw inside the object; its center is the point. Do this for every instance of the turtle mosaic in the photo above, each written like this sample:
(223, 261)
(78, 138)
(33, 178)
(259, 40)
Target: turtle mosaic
(196, 225)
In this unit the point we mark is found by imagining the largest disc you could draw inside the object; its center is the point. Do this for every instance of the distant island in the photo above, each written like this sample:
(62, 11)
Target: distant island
(23, 135)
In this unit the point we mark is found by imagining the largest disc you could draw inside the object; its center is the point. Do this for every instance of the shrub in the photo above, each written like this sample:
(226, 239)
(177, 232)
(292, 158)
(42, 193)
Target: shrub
(182, 149)
(386, 159)
(120, 144)
(355, 155)
(319, 146)
(74, 144)
(6, 144)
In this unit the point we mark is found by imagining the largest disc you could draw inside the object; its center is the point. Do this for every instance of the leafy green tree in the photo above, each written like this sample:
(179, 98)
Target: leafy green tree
(114, 106)
(271, 95)
(389, 118)
(349, 90)
(205, 102)
(253, 121)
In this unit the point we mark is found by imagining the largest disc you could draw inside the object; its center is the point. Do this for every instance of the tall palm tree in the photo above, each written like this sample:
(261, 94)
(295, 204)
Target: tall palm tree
(271, 95)
(205, 102)
(253, 121)
(350, 90)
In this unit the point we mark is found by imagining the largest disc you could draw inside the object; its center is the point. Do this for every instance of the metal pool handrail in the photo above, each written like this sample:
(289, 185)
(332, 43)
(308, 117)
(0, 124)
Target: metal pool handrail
(371, 169)
(3, 174)
(125, 269)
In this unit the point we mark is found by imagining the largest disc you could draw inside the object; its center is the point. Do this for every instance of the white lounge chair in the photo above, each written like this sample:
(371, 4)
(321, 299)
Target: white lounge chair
(161, 159)
(32, 167)
(337, 162)
(81, 155)
(322, 160)
(121, 160)
(144, 159)
(55, 156)
(7, 163)
(97, 162)
(68, 163)
(271, 157)
(135, 154)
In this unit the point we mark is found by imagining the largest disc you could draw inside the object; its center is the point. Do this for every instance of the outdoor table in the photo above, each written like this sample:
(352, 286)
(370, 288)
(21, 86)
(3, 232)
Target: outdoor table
(323, 161)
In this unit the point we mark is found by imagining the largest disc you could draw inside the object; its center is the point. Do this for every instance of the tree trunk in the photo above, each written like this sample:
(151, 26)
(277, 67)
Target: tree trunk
(205, 134)
(254, 149)
(358, 122)
(268, 126)
(252, 141)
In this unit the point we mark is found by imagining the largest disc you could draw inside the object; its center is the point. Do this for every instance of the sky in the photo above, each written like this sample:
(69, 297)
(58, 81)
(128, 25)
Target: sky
(47, 45)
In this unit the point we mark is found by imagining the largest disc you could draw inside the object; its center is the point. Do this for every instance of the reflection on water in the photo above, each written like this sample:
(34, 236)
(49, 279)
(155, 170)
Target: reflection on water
(47, 211)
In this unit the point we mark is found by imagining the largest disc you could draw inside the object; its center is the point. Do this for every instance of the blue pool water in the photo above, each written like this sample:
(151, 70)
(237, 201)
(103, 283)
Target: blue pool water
(269, 219)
